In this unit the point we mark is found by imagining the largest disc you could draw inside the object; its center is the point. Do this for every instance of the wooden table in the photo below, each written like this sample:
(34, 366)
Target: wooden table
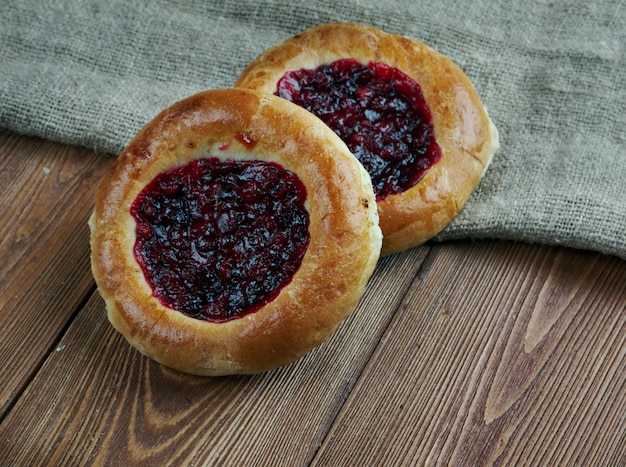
(463, 353)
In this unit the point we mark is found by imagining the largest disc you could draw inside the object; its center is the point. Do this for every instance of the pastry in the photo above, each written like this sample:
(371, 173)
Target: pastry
(233, 234)
(408, 113)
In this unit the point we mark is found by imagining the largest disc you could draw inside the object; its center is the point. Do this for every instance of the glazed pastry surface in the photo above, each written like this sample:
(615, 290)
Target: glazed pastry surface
(344, 244)
(462, 128)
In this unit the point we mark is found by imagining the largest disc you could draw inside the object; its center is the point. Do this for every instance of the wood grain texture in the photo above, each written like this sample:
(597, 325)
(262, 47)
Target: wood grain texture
(44, 272)
(110, 405)
(463, 353)
(464, 388)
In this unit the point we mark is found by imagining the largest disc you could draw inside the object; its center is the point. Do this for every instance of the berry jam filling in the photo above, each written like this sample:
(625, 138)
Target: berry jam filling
(216, 240)
(378, 111)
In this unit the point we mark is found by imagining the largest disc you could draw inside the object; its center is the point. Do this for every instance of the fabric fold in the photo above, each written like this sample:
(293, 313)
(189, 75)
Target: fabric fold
(552, 75)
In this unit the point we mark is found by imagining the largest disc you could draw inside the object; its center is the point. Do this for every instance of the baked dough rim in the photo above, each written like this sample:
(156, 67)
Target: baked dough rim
(343, 250)
(467, 136)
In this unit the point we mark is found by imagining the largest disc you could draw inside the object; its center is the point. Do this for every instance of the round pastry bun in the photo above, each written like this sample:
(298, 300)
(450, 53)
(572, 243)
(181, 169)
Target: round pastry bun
(463, 130)
(344, 246)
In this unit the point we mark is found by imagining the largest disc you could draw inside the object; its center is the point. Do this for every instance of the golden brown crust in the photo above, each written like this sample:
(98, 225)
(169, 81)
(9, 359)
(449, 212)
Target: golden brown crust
(462, 127)
(343, 250)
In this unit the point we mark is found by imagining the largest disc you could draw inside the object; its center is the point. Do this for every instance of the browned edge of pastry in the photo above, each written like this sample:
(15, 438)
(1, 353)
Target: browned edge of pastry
(463, 130)
(345, 238)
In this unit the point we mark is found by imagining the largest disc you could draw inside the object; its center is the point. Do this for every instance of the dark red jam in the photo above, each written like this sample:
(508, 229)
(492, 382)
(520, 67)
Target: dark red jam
(216, 240)
(378, 111)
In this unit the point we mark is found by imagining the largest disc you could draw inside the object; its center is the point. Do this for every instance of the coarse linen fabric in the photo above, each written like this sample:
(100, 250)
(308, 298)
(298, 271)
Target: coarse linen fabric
(552, 75)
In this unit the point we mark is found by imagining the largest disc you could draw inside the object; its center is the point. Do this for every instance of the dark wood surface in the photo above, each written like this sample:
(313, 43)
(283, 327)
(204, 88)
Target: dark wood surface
(461, 353)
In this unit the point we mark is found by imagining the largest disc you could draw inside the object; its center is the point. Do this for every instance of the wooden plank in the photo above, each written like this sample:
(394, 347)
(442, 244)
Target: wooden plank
(499, 353)
(47, 194)
(503, 355)
(96, 400)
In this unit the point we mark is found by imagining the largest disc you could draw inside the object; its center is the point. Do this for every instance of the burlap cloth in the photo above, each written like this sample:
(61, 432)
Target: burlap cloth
(551, 73)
